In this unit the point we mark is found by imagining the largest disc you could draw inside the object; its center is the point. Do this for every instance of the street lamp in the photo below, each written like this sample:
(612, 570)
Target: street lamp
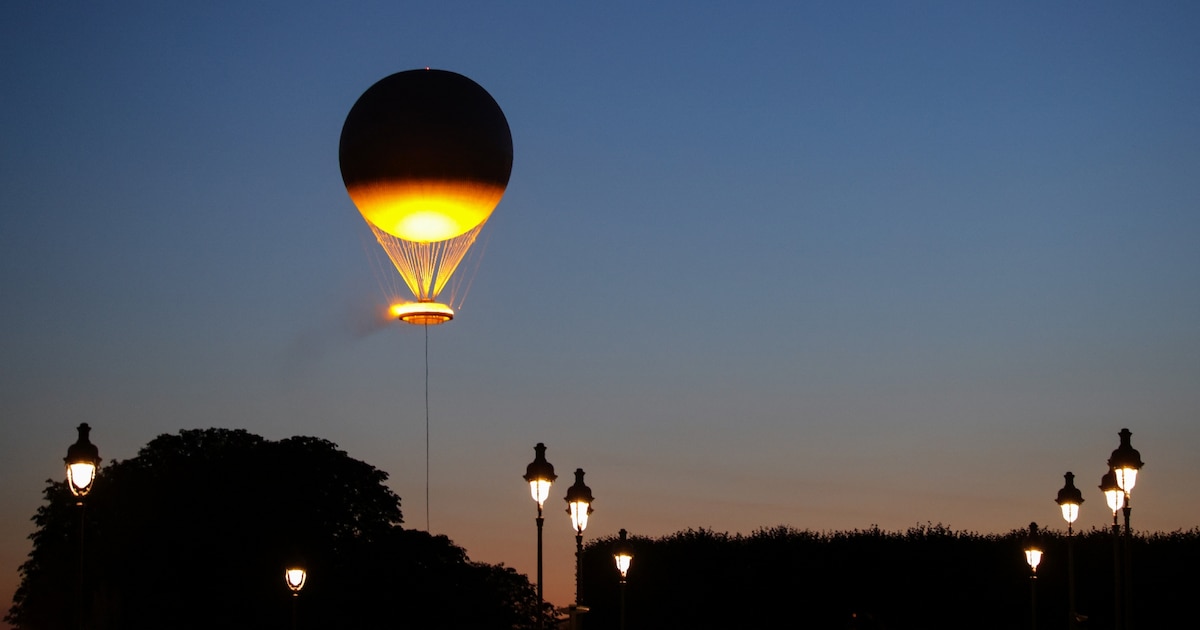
(540, 474)
(294, 576)
(1033, 555)
(579, 506)
(1125, 463)
(1115, 498)
(1069, 499)
(623, 554)
(83, 458)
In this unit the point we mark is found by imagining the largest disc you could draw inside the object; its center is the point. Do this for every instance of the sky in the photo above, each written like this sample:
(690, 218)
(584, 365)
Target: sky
(825, 264)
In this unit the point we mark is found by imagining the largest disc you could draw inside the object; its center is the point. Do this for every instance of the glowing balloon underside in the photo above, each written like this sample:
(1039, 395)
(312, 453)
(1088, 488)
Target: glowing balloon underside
(426, 211)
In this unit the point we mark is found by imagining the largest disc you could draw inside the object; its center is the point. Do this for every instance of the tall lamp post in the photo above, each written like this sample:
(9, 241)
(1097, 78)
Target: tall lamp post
(1033, 555)
(82, 460)
(1115, 499)
(540, 475)
(1069, 499)
(1125, 463)
(623, 554)
(295, 576)
(579, 506)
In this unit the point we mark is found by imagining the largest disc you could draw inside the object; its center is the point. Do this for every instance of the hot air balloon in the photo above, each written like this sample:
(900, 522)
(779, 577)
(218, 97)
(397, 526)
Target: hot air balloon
(425, 156)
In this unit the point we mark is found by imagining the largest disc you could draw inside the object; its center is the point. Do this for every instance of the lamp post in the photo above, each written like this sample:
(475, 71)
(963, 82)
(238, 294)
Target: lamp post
(1115, 499)
(623, 555)
(540, 475)
(1125, 463)
(1069, 498)
(295, 577)
(1033, 555)
(82, 460)
(579, 506)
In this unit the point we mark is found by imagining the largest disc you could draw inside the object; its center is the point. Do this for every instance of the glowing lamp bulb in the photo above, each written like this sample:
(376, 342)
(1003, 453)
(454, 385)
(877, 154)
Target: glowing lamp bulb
(579, 514)
(623, 562)
(1126, 478)
(1070, 512)
(295, 578)
(80, 476)
(1112, 492)
(1034, 558)
(540, 489)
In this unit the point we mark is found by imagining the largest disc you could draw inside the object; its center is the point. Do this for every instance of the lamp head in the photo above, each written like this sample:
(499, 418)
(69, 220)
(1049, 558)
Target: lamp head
(579, 502)
(623, 554)
(1112, 492)
(83, 458)
(1126, 461)
(1033, 548)
(540, 474)
(1069, 499)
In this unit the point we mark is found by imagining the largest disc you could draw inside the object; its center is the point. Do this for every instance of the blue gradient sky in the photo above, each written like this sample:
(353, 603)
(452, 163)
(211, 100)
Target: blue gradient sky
(820, 264)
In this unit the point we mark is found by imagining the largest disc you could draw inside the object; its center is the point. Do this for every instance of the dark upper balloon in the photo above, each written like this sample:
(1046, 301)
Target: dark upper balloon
(422, 143)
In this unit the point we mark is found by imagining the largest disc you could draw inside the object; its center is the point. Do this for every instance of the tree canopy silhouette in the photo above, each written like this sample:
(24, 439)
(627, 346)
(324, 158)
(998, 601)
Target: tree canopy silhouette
(196, 530)
(926, 578)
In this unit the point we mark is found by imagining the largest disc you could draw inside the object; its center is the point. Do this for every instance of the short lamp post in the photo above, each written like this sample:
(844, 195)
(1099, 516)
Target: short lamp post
(1125, 463)
(540, 475)
(623, 555)
(1069, 499)
(82, 460)
(579, 506)
(1033, 555)
(295, 576)
(1115, 498)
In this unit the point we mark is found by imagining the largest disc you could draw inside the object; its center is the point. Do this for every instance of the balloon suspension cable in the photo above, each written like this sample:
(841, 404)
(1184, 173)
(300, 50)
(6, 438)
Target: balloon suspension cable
(460, 286)
(427, 528)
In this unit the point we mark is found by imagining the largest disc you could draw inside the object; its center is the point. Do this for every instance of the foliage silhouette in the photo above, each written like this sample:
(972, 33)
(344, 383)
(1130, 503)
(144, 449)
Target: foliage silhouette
(195, 532)
(928, 577)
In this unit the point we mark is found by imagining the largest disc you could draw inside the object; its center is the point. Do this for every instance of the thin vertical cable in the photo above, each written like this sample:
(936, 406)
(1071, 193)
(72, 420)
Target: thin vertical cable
(427, 528)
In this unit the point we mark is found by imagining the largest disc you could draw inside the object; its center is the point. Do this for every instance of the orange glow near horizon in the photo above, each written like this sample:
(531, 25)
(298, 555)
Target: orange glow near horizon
(426, 211)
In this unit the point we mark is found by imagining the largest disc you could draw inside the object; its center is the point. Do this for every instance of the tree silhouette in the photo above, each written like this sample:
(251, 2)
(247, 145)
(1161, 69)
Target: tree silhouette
(928, 577)
(196, 530)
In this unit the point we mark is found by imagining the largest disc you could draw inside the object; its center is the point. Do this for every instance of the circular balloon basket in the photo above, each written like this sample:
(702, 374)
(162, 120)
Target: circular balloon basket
(423, 313)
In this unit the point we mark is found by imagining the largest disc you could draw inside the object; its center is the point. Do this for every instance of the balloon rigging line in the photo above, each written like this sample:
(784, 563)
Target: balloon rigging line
(476, 258)
(383, 276)
(426, 267)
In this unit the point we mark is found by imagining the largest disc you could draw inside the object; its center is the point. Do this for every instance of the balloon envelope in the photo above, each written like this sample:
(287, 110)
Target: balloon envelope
(425, 155)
